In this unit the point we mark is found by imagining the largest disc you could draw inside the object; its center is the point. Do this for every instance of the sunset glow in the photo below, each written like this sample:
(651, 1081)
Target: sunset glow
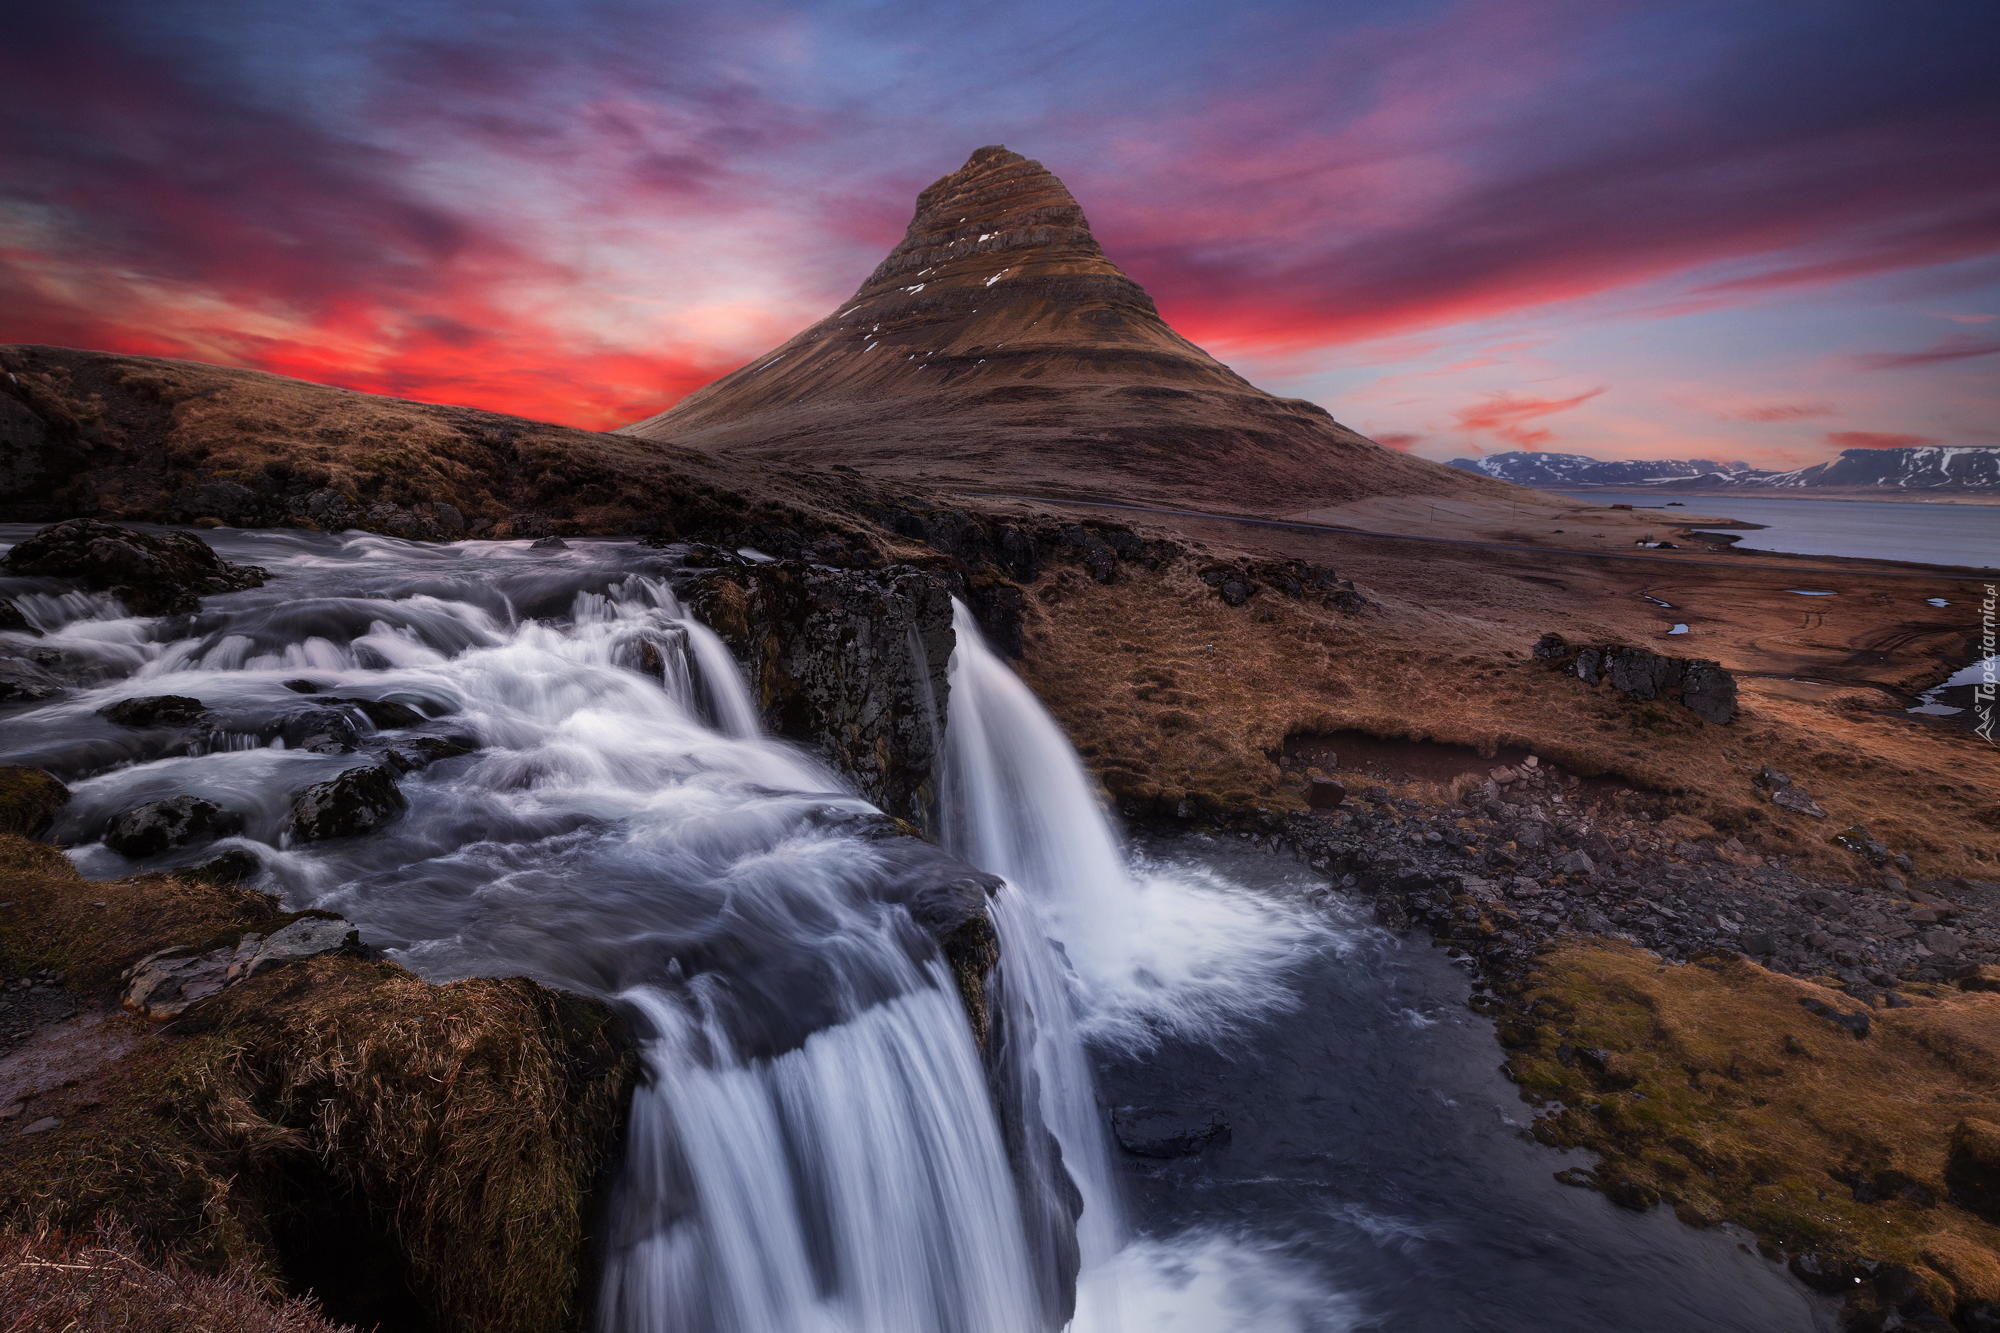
(1691, 229)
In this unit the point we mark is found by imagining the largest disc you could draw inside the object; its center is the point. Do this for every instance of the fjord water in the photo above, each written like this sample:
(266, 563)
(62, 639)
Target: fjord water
(1931, 533)
(818, 1145)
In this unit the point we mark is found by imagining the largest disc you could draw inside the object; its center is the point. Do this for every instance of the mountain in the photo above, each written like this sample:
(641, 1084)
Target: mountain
(1924, 468)
(1954, 468)
(998, 347)
(1525, 468)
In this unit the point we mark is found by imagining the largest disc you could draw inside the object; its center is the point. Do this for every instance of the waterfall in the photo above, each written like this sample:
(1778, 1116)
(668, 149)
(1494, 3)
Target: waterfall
(814, 1147)
(817, 1144)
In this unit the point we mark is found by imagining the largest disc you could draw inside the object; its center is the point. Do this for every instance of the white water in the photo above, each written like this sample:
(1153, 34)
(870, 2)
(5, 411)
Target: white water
(1095, 948)
(815, 1148)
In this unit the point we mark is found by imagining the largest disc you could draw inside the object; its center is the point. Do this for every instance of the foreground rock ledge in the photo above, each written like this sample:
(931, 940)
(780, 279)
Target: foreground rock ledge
(414, 1155)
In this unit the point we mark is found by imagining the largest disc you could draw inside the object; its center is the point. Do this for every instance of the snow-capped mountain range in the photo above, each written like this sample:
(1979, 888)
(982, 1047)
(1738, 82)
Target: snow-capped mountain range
(1921, 468)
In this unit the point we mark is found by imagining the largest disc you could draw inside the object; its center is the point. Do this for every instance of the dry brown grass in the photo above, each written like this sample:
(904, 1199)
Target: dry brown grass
(103, 1282)
(334, 1125)
(1173, 696)
(1723, 1094)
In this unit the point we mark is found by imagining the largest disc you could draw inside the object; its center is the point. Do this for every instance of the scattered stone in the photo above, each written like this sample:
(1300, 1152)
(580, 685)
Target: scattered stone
(1575, 863)
(153, 573)
(1325, 793)
(1772, 777)
(358, 801)
(42, 1126)
(1791, 798)
(159, 710)
(1167, 1134)
(177, 821)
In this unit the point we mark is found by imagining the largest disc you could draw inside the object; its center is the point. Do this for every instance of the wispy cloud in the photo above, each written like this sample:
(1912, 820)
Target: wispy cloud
(1508, 415)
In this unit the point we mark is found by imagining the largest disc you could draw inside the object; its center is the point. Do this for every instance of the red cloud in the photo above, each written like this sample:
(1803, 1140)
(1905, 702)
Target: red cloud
(1875, 439)
(1398, 439)
(1507, 416)
(1780, 412)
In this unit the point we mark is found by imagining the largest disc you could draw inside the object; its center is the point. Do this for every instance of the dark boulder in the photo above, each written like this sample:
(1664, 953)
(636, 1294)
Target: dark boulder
(157, 710)
(29, 801)
(153, 573)
(1167, 1133)
(358, 801)
(158, 826)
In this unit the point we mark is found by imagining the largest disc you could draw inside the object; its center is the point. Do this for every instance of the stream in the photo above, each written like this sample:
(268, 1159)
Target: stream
(819, 1145)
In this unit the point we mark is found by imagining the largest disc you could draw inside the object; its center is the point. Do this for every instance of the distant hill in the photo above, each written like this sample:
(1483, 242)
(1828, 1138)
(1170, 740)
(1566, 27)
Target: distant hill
(1941, 468)
(998, 347)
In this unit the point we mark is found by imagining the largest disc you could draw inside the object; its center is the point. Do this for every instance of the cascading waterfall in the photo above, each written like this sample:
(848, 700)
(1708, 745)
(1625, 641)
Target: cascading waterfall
(814, 1148)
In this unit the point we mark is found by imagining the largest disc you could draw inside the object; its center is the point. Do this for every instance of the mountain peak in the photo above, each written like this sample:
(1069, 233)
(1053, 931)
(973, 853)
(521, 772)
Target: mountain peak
(998, 345)
(1000, 213)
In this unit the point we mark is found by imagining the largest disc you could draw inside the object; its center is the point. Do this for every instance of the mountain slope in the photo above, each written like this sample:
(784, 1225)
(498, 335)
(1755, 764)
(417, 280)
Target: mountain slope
(997, 346)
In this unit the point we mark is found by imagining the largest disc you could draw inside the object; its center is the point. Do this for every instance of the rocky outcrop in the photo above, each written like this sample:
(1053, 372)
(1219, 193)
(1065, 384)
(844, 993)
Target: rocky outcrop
(358, 801)
(153, 573)
(1702, 686)
(852, 662)
(159, 826)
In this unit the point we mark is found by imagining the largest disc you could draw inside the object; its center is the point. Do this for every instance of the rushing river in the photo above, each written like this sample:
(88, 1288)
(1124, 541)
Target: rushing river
(819, 1145)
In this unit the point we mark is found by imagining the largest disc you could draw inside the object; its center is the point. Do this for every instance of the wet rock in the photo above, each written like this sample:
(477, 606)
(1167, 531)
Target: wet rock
(1791, 798)
(177, 821)
(303, 938)
(852, 661)
(1325, 793)
(25, 680)
(158, 710)
(1166, 1134)
(153, 573)
(385, 714)
(550, 543)
(29, 800)
(1972, 1168)
(232, 867)
(13, 619)
(358, 801)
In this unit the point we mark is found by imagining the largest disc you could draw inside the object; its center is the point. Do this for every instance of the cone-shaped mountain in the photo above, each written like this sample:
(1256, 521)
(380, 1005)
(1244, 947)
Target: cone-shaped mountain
(997, 346)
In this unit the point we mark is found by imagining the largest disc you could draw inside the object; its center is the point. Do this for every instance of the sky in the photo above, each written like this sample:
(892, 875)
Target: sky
(1735, 229)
